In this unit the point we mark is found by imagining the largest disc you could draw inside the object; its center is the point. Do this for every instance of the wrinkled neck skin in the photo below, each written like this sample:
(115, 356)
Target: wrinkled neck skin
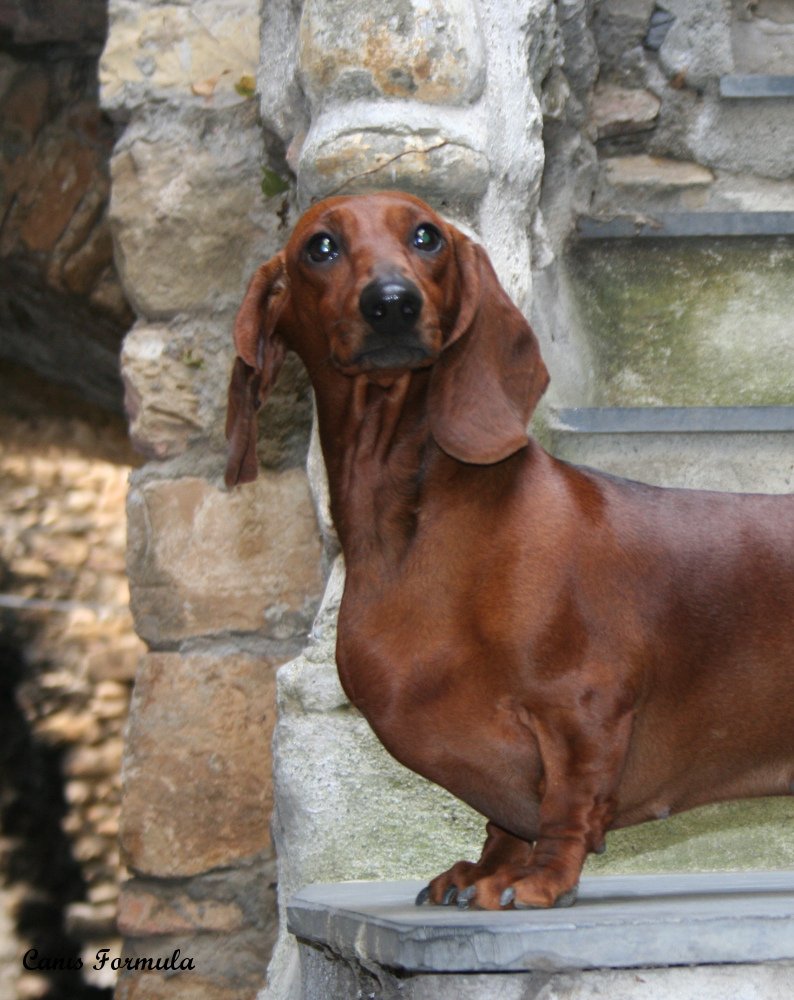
(377, 447)
(387, 477)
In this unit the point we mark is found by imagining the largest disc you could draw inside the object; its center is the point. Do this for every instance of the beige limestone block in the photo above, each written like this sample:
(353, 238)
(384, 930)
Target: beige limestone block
(204, 561)
(620, 110)
(201, 52)
(160, 391)
(424, 50)
(655, 172)
(197, 789)
(188, 214)
(372, 159)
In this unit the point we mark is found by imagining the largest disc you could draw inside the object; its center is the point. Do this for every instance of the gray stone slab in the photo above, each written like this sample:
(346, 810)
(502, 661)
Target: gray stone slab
(755, 85)
(618, 922)
(675, 419)
(686, 225)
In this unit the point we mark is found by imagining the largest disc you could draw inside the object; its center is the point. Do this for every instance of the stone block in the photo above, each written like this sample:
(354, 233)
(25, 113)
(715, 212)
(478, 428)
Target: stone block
(343, 804)
(48, 22)
(197, 766)
(735, 136)
(617, 922)
(188, 214)
(160, 395)
(747, 462)
(430, 52)
(184, 986)
(698, 44)
(763, 44)
(667, 320)
(620, 110)
(142, 913)
(203, 561)
(422, 161)
(191, 54)
(175, 379)
(655, 173)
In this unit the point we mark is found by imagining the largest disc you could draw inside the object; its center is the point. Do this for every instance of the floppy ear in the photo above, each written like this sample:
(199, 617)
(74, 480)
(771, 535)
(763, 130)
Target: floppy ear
(260, 354)
(490, 375)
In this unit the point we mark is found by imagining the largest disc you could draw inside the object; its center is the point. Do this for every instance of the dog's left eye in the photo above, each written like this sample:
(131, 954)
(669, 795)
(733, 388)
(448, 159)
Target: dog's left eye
(322, 248)
(426, 237)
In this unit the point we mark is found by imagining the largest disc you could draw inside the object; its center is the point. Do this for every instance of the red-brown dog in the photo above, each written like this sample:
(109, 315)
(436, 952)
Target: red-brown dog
(566, 651)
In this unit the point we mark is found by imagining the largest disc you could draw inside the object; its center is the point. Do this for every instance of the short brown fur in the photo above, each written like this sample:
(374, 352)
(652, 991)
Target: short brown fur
(566, 651)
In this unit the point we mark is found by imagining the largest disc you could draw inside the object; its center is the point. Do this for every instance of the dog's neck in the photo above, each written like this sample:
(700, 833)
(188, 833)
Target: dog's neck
(377, 448)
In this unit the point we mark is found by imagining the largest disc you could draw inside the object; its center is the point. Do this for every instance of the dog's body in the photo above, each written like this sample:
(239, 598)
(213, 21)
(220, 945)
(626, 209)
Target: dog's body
(566, 651)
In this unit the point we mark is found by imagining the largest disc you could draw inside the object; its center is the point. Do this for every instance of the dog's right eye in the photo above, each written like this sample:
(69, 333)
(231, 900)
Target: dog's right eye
(322, 248)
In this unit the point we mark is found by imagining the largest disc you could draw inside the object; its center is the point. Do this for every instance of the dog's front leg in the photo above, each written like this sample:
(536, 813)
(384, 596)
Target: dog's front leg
(583, 755)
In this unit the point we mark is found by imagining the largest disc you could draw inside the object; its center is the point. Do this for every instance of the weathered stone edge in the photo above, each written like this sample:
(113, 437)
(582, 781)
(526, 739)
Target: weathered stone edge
(618, 922)
(673, 420)
(669, 225)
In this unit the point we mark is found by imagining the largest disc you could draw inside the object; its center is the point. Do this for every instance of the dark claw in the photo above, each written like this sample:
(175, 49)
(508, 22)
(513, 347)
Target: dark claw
(507, 896)
(449, 896)
(423, 896)
(568, 898)
(465, 896)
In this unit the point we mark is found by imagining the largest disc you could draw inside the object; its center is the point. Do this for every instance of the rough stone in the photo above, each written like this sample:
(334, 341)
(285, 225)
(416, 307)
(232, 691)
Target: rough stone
(55, 243)
(175, 378)
(763, 40)
(430, 52)
(620, 111)
(668, 321)
(697, 48)
(196, 770)
(426, 163)
(166, 208)
(203, 561)
(620, 27)
(326, 975)
(745, 137)
(750, 462)
(654, 172)
(42, 22)
(147, 986)
(142, 913)
(160, 397)
(191, 54)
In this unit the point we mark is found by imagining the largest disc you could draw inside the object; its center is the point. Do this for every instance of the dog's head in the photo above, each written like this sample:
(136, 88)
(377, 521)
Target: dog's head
(379, 285)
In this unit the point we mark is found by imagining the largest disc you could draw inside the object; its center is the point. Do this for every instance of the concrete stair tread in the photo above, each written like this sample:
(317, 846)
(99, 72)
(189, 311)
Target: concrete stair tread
(684, 225)
(756, 85)
(674, 419)
(619, 921)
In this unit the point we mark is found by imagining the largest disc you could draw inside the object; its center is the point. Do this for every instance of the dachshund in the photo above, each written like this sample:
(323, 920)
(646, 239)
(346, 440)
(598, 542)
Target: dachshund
(566, 651)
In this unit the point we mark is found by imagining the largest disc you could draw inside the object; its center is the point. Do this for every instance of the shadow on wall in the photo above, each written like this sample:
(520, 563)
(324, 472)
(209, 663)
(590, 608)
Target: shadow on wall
(41, 877)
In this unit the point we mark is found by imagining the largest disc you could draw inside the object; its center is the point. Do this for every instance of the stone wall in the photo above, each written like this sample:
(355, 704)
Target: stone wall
(68, 655)
(223, 586)
(61, 306)
(67, 645)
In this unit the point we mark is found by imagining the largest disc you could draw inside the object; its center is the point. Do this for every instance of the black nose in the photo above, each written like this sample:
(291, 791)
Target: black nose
(391, 305)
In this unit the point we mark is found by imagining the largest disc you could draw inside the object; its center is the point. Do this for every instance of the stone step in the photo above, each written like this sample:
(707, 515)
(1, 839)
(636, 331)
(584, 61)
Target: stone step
(743, 449)
(727, 922)
(753, 86)
(674, 320)
(683, 225)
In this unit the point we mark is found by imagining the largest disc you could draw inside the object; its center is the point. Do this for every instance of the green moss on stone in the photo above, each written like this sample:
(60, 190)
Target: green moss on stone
(731, 836)
(689, 322)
